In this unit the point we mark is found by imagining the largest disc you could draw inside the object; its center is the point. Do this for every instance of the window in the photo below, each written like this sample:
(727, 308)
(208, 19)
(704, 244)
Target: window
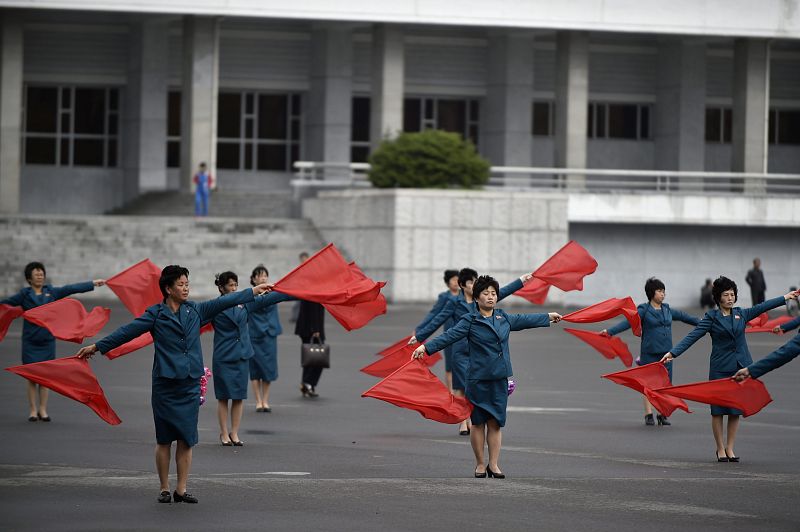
(359, 130)
(784, 126)
(719, 121)
(543, 119)
(174, 129)
(457, 116)
(618, 121)
(258, 131)
(71, 126)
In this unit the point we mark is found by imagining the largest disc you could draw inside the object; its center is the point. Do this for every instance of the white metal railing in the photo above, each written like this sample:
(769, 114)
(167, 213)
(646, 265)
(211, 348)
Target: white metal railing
(326, 174)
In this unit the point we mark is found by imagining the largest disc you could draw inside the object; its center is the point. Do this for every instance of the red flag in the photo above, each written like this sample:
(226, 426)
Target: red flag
(66, 319)
(71, 377)
(608, 346)
(129, 347)
(137, 286)
(767, 325)
(606, 310)
(7, 315)
(650, 380)
(535, 291)
(749, 396)
(413, 386)
(383, 367)
(327, 278)
(759, 321)
(357, 315)
(394, 347)
(567, 267)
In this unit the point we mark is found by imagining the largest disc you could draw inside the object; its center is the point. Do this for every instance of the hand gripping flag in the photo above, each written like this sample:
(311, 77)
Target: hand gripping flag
(383, 367)
(137, 286)
(762, 325)
(67, 319)
(7, 315)
(650, 380)
(71, 377)
(608, 346)
(749, 396)
(567, 267)
(606, 310)
(413, 386)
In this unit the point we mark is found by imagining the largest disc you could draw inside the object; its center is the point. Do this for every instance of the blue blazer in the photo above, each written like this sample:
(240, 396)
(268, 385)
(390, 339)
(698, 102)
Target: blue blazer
(729, 349)
(656, 327)
(789, 325)
(178, 353)
(441, 301)
(777, 358)
(263, 319)
(456, 307)
(489, 358)
(38, 340)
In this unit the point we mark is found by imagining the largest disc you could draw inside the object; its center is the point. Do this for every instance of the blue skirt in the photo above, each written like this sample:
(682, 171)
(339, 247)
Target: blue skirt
(38, 352)
(176, 405)
(642, 360)
(230, 379)
(490, 399)
(264, 364)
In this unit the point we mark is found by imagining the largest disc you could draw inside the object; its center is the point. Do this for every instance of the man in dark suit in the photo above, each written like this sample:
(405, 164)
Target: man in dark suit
(755, 278)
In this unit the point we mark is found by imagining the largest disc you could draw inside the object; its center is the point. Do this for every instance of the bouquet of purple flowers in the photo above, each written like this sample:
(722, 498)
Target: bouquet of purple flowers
(204, 385)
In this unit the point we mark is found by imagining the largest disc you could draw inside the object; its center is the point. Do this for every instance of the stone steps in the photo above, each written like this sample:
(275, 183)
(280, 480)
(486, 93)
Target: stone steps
(76, 248)
(276, 204)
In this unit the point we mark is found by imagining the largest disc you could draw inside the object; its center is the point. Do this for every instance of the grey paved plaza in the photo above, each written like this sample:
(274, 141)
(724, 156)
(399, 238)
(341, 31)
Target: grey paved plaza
(575, 449)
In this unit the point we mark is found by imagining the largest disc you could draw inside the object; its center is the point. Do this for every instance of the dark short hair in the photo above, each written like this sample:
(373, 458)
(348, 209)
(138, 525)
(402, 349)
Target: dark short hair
(169, 275)
(449, 274)
(466, 274)
(723, 284)
(33, 266)
(258, 270)
(650, 287)
(222, 279)
(482, 283)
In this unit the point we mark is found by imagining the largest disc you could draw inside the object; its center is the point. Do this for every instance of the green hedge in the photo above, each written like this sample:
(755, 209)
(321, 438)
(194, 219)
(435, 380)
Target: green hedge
(429, 159)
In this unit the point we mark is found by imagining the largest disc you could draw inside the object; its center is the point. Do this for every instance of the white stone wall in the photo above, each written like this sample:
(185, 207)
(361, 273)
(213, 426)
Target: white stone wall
(409, 237)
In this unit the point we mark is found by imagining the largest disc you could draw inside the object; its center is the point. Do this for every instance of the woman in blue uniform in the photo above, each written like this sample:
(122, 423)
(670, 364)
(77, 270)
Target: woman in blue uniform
(451, 280)
(177, 367)
(233, 352)
(38, 344)
(656, 317)
(454, 310)
(729, 352)
(265, 326)
(486, 333)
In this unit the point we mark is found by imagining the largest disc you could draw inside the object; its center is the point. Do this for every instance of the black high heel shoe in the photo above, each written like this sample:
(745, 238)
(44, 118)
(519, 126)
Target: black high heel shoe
(224, 443)
(662, 420)
(164, 497)
(186, 497)
(480, 475)
(493, 474)
(721, 459)
(236, 443)
(648, 420)
(731, 458)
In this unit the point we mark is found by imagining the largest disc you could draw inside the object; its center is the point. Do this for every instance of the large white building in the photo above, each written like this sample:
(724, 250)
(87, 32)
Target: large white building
(104, 100)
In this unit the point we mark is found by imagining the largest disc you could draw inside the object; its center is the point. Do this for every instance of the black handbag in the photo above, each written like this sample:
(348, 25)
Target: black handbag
(316, 354)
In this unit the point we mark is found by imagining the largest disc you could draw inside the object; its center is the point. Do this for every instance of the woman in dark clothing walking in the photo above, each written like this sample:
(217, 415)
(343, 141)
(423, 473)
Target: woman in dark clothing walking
(310, 325)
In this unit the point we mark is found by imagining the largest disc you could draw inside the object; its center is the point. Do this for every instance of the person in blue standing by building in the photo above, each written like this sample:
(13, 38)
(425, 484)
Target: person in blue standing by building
(233, 352)
(451, 281)
(203, 182)
(729, 352)
(486, 333)
(656, 317)
(455, 308)
(38, 344)
(177, 367)
(265, 327)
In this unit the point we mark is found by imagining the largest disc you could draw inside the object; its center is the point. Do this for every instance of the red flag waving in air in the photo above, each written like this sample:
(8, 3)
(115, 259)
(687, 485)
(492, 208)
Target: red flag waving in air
(650, 380)
(762, 325)
(606, 310)
(535, 291)
(413, 386)
(327, 278)
(7, 315)
(394, 347)
(66, 319)
(383, 367)
(71, 377)
(608, 346)
(749, 396)
(567, 267)
(357, 315)
(137, 287)
(129, 347)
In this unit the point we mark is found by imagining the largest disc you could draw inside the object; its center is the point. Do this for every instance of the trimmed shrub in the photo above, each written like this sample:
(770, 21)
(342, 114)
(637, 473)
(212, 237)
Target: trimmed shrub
(429, 159)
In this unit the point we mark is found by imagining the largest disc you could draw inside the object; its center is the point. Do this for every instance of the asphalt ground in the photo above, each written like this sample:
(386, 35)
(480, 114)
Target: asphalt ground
(576, 451)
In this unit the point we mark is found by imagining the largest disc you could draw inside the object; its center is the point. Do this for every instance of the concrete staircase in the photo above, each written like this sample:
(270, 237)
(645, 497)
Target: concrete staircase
(78, 248)
(222, 203)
